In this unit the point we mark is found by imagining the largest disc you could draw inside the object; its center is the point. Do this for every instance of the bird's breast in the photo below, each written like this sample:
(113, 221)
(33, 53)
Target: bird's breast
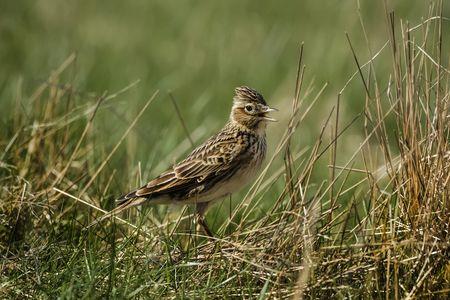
(247, 171)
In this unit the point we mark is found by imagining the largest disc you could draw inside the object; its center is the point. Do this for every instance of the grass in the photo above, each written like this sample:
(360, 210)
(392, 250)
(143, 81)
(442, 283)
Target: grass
(327, 217)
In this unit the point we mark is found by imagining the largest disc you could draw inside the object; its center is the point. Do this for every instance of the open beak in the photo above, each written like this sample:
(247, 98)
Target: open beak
(267, 110)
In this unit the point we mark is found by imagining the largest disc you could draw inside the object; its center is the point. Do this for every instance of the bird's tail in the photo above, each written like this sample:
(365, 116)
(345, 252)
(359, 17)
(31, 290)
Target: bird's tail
(128, 198)
(123, 203)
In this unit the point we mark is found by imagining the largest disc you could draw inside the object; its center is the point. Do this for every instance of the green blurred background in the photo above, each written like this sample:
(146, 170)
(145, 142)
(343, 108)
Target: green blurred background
(199, 50)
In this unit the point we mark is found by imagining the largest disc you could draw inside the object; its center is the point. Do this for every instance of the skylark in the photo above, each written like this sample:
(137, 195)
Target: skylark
(222, 165)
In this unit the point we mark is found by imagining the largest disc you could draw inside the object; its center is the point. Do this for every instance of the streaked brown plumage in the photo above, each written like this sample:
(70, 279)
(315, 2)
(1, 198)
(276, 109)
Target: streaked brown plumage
(220, 166)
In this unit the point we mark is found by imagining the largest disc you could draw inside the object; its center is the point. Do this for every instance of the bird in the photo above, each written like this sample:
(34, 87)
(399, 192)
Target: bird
(220, 166)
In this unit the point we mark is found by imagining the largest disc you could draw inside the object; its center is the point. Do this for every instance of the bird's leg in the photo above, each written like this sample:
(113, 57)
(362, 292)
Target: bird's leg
(201, 209)
(202, 222)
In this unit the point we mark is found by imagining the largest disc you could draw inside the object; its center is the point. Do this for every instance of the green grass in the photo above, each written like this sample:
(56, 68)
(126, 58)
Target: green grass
(355, 198)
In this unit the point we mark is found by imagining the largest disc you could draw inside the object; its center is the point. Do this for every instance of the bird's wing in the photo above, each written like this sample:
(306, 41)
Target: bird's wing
(217, 156)
(211, 158)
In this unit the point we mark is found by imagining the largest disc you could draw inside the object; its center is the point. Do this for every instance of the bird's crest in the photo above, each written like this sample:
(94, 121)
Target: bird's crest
(244, 93)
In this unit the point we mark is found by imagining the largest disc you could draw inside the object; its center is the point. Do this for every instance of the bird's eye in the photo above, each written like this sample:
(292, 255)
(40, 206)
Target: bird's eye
(248, 108)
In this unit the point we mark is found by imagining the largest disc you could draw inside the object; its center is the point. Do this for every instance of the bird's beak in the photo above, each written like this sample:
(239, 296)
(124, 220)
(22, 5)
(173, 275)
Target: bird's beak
(267, 110)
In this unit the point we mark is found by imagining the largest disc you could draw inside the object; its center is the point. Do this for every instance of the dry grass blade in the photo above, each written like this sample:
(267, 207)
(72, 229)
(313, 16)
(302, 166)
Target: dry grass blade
(105, 161)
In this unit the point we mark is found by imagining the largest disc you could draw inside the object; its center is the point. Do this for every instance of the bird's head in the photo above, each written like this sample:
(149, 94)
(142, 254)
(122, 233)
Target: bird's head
(250, 109)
